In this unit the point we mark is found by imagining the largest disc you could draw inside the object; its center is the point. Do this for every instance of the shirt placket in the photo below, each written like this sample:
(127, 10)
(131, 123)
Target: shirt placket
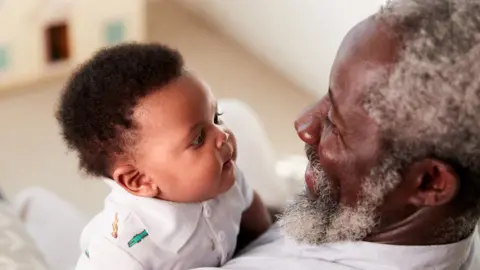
(218, 235)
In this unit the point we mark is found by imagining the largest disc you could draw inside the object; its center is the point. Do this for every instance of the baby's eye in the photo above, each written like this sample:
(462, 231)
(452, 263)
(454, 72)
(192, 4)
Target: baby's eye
(199, 139)
(216, 119)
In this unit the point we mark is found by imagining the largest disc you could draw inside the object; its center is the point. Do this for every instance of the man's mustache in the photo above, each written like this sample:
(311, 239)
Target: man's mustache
(312, 156)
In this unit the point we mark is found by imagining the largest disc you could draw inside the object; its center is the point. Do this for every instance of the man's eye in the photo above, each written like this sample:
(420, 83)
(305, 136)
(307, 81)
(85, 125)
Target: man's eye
(199, 139)
(216, 119)
(328, 127)
(331, 124)
(334, 128)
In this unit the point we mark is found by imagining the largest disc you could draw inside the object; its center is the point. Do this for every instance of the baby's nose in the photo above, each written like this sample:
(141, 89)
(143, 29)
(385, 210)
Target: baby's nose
(222, 140)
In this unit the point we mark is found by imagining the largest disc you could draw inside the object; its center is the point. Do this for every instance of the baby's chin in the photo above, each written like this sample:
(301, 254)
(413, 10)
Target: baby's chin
(228, 175)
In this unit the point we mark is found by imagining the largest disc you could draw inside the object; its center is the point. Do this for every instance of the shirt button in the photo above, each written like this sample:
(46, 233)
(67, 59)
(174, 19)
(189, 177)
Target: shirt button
(221, 236)
(206, 211)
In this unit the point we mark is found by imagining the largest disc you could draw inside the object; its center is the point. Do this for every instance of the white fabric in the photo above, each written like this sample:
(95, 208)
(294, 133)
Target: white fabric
(272, 251)
(256, 157)
(17, 250)
(180, 236)
(54, 224)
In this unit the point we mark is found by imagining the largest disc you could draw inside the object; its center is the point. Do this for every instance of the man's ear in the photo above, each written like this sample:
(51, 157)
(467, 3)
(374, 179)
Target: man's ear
(434, 182)
(134, 181)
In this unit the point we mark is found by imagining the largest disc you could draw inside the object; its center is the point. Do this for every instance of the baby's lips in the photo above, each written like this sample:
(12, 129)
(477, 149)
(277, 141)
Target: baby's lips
(231, 152)
(234, 154)
(227, 152)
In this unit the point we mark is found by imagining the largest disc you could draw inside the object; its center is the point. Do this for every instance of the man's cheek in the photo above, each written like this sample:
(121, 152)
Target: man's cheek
(330, 162)
(338, 164)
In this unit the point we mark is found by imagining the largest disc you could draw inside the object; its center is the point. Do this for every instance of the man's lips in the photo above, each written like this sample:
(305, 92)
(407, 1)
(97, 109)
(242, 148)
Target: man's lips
(314, 191)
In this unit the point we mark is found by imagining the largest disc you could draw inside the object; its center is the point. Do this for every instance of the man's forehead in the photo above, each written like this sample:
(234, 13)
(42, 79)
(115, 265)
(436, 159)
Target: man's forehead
(372, 41)
(369, 46)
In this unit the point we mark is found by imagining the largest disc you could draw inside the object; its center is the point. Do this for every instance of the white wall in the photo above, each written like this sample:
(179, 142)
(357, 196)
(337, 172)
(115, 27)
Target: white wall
(297, 37)
(90, 16)
(232, 71)
(19, 34)
(22, 26)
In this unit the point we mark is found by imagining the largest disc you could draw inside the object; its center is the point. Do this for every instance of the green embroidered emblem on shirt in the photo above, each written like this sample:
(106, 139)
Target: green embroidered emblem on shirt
(137, 238)
(87, 253)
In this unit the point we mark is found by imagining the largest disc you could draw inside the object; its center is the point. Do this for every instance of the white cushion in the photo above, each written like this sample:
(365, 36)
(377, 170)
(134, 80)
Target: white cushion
(17, 249)
(256, 157)
(54, 224)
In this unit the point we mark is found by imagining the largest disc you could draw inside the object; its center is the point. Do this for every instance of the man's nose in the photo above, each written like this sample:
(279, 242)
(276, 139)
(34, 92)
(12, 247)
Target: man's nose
(308, 127)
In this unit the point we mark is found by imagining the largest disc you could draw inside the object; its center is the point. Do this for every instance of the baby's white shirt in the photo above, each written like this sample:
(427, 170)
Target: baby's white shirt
(149, 234)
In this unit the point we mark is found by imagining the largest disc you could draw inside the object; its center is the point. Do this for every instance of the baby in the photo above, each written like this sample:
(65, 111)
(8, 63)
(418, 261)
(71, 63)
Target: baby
(135, 115)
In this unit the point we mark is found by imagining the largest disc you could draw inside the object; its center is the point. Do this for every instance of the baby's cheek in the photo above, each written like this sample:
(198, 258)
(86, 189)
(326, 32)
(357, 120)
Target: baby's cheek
(209, 167)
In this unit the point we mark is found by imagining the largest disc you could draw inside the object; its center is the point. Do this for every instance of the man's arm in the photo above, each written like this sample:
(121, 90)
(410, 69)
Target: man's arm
(255, 221)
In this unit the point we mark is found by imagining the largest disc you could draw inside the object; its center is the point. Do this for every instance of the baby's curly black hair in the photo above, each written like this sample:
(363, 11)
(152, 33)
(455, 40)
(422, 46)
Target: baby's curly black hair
(96, 106)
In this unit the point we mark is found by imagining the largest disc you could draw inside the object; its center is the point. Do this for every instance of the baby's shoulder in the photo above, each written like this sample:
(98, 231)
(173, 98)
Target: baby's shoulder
(118, 230)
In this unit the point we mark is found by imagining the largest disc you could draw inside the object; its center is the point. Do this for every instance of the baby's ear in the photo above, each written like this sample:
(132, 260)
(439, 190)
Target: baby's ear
(133, 181)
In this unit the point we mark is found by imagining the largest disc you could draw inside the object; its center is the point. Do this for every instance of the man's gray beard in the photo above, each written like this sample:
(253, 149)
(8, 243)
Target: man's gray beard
(324, 220)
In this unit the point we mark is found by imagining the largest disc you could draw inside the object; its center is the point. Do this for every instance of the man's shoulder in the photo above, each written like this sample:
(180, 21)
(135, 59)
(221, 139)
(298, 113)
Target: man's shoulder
(273, 251)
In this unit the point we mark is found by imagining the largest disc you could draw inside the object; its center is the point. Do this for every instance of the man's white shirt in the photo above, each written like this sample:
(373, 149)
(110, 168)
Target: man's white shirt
(274, 251)
(142, 233)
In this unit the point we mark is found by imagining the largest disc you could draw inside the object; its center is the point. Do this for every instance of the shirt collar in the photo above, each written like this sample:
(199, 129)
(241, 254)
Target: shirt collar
(367, 255)
(169, 224)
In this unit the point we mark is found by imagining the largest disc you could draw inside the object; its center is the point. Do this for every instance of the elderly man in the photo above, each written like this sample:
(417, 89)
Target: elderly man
(394, 175)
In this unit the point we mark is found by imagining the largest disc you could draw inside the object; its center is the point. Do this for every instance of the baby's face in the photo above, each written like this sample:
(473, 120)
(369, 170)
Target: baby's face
(183, 148)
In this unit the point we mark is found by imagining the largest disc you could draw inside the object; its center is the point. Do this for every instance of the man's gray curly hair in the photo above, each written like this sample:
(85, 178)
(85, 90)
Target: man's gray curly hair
(429, 105)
